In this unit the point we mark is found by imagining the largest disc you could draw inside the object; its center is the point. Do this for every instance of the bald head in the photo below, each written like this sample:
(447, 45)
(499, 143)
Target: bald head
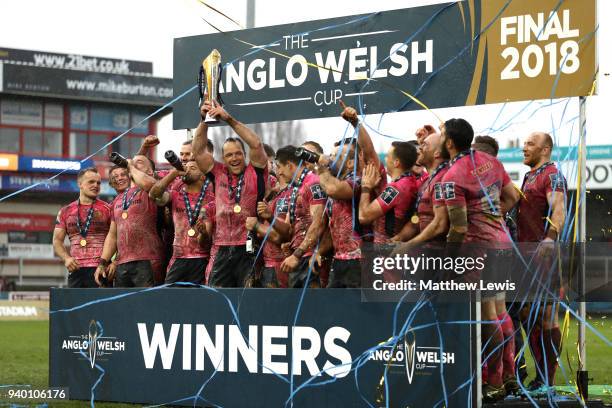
(537, 149)
(544, 139)
(430, 150)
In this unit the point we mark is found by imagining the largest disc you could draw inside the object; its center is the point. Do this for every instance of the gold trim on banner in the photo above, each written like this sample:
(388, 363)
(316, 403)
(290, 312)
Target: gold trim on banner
(478, 68)
(462, 14)
(472, 9)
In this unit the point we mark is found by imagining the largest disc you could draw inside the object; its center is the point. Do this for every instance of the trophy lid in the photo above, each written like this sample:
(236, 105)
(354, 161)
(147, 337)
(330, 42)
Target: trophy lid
(214, 58)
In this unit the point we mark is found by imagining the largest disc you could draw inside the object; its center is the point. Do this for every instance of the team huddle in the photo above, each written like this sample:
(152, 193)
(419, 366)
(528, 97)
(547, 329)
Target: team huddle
(298, 217)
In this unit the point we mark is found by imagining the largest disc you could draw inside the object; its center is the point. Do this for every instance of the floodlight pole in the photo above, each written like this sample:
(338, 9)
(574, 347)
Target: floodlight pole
(250, 19)
(582, 377)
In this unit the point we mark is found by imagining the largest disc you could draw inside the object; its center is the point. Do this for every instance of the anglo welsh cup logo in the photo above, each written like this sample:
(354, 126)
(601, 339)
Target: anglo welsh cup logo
(92, 345)
(409, 352)
(92, 340)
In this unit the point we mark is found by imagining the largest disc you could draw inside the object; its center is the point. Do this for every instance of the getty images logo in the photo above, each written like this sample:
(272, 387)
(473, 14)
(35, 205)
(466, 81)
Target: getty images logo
(413, 359)
(93, 345)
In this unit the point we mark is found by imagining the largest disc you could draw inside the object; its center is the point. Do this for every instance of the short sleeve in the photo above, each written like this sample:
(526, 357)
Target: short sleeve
(453, 192)
(389, 198)
(108, 213)
(555, 181)
(217, 169)
(505, 178)
(60, 220)
(315, 194)
(437, 195)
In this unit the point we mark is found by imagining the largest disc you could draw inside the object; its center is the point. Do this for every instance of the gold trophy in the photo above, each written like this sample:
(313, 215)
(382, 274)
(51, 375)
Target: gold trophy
(210, 77)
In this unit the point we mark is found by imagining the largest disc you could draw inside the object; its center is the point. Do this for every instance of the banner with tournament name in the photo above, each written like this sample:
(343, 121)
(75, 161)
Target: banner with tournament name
(455, 54)
(236, 347)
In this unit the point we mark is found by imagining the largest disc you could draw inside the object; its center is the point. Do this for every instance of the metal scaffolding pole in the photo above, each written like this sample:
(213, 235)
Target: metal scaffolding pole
(582, 375)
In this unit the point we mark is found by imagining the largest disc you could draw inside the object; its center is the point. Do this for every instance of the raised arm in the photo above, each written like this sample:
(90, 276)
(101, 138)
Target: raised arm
(334, 188)
(365, 141)
(141, 179)
(369, 210)
(257, 154)
(158, 191)
(203, 158)
(148, 142)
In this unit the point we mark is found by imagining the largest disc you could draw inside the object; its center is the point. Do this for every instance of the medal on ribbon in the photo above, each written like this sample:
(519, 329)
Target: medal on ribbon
(237, 193)
(84, 229)
(192, 214)
(125, 205)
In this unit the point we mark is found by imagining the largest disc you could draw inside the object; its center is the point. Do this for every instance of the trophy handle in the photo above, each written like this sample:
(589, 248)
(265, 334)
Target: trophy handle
(219, 98)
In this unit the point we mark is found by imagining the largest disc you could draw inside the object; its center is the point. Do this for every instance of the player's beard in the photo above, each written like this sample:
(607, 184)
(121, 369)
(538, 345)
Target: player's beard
(187, 179)
(444, 152)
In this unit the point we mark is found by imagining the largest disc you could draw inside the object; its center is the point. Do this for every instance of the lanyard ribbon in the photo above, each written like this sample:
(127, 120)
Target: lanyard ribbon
(192, 214)
(236, 193)
(460, 155)
(126, 203)
(83, 231)
(536, 174)
(293, 200)
(438, 169)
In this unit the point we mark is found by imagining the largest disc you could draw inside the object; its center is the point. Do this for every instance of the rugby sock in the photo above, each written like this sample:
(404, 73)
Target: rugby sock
(494, 352)
(552, 344)
(535, 343)
(509, 350)
(484, 373)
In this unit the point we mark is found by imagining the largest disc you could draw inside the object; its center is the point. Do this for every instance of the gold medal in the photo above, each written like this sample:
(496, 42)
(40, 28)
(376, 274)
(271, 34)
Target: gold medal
(83, 242)
(237, 208)
(191, 232)
(124, 215)
(415, 219)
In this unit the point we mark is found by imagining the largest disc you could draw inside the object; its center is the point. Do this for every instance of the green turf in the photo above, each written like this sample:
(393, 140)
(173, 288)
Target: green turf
(24, 359)
(24, 356)
(599, 354)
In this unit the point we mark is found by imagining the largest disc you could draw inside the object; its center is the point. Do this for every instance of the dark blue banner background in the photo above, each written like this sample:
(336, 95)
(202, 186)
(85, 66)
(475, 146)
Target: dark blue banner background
(123, 376)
